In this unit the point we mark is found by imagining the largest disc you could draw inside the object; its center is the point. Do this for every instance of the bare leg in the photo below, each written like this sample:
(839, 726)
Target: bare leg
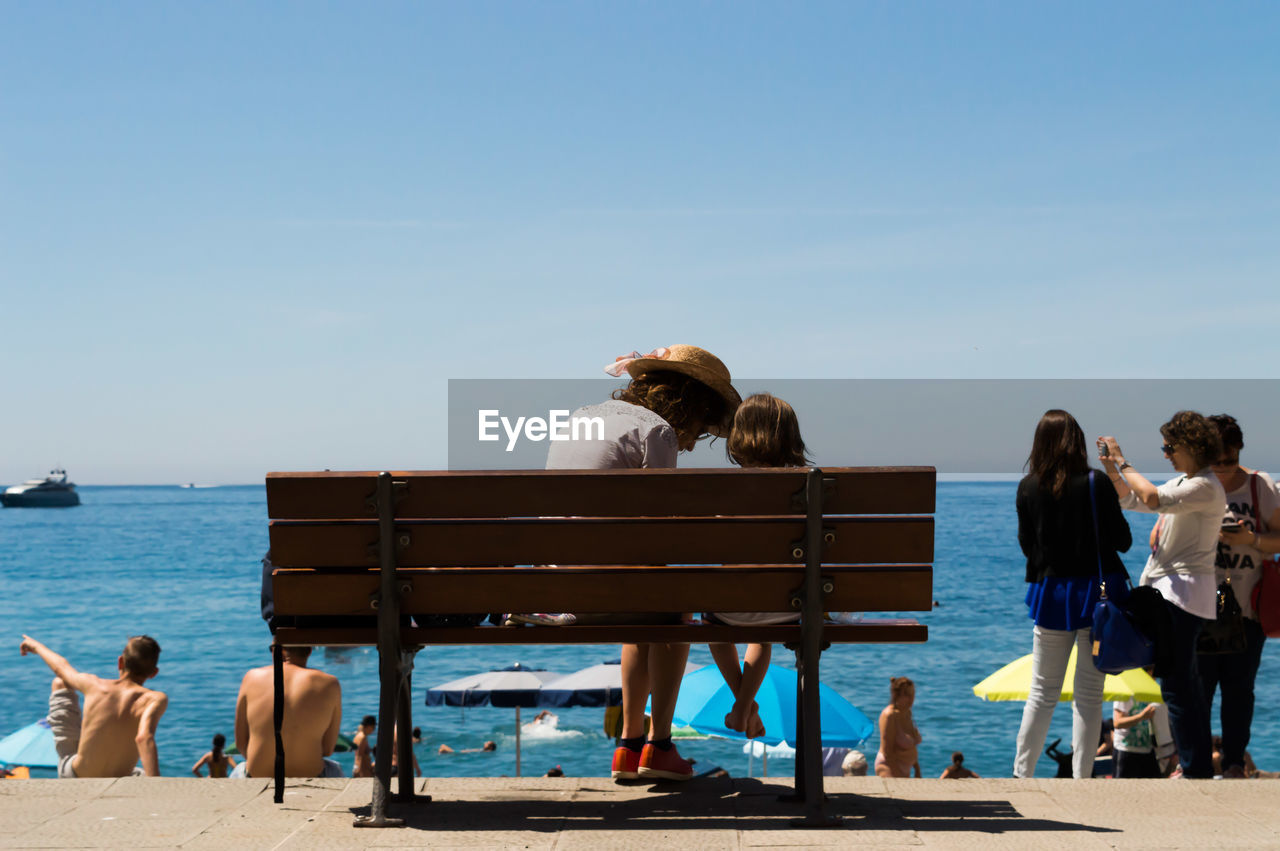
(754, 668)
(726, 658)
(666, 669)
(635, 688)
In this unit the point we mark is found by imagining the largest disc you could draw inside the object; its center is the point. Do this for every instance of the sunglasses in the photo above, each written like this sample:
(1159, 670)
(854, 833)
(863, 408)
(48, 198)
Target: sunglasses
(1167, 448)
(1227, 462)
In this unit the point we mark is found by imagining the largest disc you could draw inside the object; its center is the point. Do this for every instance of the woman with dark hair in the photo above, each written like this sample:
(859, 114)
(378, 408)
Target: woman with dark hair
(219, 763)
(1056, 533)
(1249, 537)
(1181, 567)
(676, 396)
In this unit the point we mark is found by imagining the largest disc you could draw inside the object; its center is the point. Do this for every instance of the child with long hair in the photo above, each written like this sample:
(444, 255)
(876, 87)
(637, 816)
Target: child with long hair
(765, 433)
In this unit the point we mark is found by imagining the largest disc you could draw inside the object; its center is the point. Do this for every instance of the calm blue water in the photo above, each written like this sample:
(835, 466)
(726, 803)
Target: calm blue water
(182, 565)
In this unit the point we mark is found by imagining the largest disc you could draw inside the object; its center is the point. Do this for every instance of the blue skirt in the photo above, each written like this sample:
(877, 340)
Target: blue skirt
(1067, 602)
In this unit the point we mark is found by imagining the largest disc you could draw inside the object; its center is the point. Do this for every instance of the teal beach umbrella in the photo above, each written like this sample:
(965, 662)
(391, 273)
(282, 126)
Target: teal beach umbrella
(705, 699)
(31, 746)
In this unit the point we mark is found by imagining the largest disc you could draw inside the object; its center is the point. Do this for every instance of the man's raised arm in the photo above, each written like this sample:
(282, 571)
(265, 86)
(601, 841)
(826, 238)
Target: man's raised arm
(157, 703)
(60, 666)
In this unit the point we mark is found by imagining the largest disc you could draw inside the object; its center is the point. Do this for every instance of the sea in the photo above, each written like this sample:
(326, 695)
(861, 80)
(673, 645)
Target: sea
(183, 565)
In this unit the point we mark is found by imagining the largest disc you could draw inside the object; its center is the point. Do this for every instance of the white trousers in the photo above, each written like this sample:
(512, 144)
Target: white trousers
(1051, 649)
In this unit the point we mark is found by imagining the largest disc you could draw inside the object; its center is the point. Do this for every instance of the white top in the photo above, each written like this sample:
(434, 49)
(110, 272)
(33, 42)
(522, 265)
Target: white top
(633, 437)
(1146, 736)
(1243, 564)
(1181, 565)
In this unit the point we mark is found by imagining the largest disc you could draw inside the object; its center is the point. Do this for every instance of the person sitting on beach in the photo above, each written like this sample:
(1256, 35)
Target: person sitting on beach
(312, 718)
(898, 734)
(488, 746)
(120, 716)
(765, 433)
(364, 751)
(854, 764)
(395, 755)
(218, 762)
(956, 770)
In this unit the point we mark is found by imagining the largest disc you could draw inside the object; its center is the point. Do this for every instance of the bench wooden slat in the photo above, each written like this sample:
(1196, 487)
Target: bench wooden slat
(888, 631)
(726, 588)
(709, 540)
(600, 493)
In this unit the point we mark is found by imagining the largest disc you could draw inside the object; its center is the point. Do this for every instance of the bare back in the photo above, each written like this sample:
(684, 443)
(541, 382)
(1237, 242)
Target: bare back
(312, 715)
(116, 713)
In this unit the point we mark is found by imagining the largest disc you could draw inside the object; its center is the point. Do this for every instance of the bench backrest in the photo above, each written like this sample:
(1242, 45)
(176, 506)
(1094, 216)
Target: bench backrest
(466, 540)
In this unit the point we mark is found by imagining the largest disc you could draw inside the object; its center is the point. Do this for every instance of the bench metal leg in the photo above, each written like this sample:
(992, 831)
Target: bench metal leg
(388, 657)
(404, 735)
(808, 716)
(277, 713)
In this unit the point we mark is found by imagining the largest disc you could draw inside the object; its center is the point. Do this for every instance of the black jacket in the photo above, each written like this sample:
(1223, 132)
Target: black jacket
(1056, 535)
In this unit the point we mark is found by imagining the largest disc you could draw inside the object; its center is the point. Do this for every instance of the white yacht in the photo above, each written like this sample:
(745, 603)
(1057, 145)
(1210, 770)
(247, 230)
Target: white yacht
(53, 491)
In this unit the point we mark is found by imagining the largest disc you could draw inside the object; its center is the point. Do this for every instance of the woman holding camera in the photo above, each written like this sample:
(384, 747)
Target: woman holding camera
(1056, 532)
(1181, 567)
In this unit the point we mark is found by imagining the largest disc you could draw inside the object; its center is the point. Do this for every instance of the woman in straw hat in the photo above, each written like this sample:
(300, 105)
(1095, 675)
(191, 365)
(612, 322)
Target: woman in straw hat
(676, 396)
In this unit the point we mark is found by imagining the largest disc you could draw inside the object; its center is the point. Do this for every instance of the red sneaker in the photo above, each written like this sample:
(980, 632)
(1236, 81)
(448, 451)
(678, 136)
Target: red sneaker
(626, 762)
(655, 763)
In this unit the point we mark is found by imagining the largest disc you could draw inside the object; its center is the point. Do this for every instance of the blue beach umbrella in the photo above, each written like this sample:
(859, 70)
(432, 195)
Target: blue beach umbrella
(513, 686)
(31, 746)
(705, 699)
(598, 685)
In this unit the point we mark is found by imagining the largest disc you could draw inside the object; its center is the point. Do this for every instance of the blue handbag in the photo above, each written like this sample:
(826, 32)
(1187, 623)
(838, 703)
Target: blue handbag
(1117, 644)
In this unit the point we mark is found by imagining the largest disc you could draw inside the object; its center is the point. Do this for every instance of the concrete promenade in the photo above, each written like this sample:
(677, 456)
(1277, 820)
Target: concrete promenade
(594, 813)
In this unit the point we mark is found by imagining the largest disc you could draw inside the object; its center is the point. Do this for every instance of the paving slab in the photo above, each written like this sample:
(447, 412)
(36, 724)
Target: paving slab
(563, 814)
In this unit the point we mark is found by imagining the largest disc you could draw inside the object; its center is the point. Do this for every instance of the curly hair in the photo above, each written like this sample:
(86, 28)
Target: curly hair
(1196, 433)
(687, 404)
(766, 433)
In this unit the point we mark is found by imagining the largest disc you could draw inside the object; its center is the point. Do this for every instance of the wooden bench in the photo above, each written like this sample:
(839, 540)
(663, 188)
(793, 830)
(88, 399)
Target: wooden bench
(350, 545)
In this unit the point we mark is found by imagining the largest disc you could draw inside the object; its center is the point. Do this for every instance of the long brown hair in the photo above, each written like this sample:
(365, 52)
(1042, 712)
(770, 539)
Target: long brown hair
(766, 433)
(1058, 451)
(688, 405)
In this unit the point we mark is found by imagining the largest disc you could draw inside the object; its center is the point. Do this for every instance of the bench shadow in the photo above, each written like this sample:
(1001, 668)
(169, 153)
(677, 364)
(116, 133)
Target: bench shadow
(717, 804)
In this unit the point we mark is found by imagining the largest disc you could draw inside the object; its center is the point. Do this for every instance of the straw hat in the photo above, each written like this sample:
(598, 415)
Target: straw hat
(691, 361)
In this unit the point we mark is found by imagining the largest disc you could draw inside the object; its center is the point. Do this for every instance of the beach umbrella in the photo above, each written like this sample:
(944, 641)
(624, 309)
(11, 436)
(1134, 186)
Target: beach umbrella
(31, 746)
(514, 686)
(705, 699)
(598, 685)
(1013, 682)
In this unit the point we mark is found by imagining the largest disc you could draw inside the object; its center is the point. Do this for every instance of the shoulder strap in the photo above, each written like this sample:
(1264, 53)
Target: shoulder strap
(1259, 522)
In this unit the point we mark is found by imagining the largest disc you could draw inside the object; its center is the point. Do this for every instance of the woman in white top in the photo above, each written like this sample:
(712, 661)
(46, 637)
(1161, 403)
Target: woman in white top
(1181, 566)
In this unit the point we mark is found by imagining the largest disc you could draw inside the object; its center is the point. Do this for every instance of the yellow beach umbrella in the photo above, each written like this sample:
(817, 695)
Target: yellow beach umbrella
(1013, 682)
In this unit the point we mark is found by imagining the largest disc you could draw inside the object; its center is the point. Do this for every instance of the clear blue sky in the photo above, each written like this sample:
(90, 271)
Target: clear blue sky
(237, 237)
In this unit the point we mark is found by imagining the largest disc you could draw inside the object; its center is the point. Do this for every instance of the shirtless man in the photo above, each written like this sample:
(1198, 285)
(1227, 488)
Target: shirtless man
(120, 715)
(364, 756)
(312, 718)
